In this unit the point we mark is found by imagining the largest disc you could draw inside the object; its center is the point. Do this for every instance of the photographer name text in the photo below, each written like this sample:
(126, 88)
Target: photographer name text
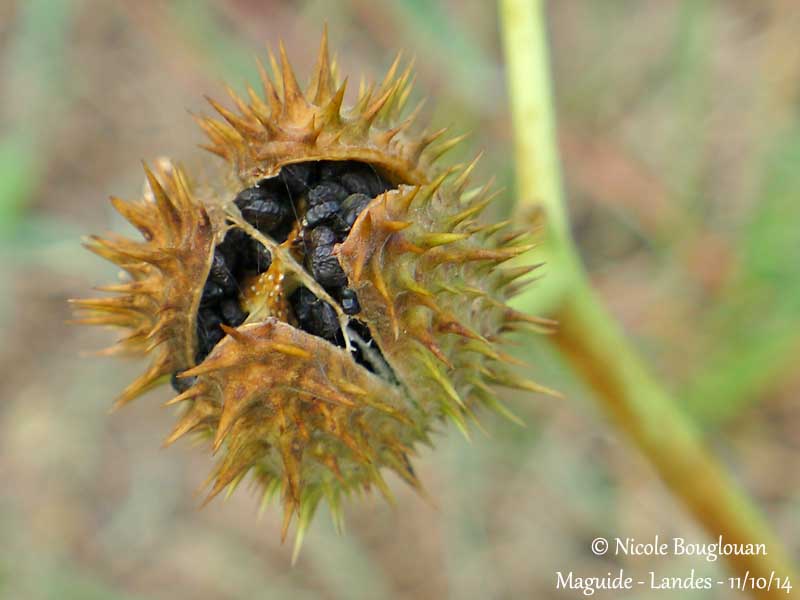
(676, 546)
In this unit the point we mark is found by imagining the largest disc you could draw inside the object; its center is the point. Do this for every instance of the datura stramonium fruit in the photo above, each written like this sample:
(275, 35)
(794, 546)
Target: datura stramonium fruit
(323, 314)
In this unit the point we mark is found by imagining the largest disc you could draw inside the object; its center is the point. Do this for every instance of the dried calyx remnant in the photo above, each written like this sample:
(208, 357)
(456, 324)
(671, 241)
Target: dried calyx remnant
(339, 298)
(309, 206)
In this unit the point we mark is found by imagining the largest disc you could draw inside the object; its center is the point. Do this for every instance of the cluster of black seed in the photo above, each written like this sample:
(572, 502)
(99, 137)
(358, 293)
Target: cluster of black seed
(331, 194)
(237, 257)
(335, 198)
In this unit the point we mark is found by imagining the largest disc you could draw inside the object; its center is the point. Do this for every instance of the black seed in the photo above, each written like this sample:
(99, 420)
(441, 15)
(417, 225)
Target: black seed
(351, 208)
(356, 202)
(324, 321)
(257, 257)
(297, 177)
(327, 191)
(232, 313)
(212, 293)
(181, 384)
(326, 270)
(221, 274)
(325, 267)
(321, 236)
(261, 208)
(323, 264)
(302, 300)
(231, 246)
(209, 332)
(356, 183)
(313, 315)
(321, 212)
(264, 215)
(251, 194)
(234, 238)
(350, 303)
(369, 179)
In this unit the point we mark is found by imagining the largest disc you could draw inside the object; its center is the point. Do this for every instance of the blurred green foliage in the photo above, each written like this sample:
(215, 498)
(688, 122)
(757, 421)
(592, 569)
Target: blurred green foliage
(34, 85)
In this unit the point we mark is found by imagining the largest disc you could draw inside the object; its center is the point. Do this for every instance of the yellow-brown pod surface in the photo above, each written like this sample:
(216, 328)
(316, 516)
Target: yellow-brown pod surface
(322, 316)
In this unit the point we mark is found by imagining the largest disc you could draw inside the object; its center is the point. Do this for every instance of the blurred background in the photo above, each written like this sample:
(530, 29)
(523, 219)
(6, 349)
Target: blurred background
(679, 124)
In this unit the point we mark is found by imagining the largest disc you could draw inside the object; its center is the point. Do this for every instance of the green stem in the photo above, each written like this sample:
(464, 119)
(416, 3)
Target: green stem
(588, 337)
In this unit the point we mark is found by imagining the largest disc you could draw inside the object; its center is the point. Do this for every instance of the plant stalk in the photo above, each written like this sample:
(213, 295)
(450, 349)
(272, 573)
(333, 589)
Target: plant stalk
(590, 340)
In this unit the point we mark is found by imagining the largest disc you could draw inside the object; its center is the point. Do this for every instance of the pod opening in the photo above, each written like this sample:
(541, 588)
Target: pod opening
(308, 208)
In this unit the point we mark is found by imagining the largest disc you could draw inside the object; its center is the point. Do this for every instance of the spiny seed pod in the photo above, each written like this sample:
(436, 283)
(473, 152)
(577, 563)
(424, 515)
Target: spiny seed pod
(320, 318)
